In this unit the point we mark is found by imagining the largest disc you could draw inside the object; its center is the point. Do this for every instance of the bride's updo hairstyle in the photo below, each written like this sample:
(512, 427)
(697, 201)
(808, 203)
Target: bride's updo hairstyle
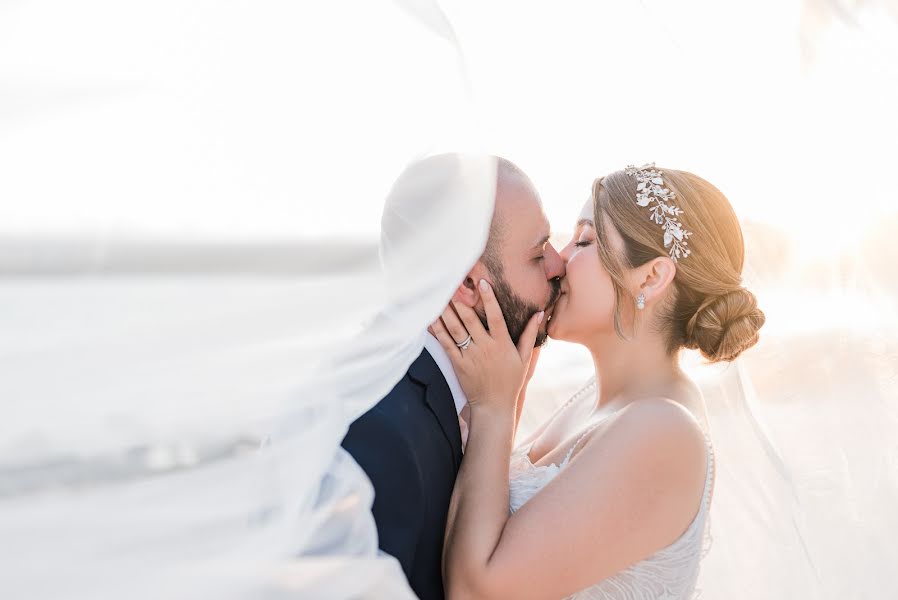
(709, 309)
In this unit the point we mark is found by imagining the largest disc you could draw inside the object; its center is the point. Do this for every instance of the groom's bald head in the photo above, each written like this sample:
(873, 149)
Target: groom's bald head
(512, 185)
(518, 260)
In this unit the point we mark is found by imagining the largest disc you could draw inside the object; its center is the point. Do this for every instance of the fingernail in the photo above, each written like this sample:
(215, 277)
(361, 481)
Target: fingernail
(542, 314)
(484, 285)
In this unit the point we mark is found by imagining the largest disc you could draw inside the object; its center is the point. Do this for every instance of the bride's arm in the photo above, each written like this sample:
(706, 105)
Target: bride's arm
(628, 493)
(491, 371)
(479, 507)
(522, 395)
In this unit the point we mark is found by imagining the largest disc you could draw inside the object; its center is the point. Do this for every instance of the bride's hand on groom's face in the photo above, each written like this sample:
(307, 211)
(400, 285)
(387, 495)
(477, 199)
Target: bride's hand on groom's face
(491, 369)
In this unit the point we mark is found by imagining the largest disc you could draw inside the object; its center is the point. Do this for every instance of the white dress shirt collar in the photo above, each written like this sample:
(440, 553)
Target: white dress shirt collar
(432, 345)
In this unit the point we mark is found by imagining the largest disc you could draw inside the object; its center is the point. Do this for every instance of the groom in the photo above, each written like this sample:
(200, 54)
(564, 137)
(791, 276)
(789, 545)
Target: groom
(411, 443)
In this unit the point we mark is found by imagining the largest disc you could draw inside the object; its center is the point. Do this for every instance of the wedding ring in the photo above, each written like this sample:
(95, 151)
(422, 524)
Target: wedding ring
(464, 345)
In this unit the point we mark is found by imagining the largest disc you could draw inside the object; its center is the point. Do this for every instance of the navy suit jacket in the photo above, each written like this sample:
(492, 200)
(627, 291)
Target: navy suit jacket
(409, 445)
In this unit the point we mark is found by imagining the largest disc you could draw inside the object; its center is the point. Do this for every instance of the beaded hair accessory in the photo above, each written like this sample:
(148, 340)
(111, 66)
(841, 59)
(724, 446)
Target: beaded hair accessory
(650, 190)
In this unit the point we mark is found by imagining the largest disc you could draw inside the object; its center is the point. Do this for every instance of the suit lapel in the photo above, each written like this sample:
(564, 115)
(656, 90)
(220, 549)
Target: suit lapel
(438, 398)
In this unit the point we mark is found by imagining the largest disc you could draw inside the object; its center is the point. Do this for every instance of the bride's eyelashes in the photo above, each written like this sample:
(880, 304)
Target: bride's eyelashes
(583, 244)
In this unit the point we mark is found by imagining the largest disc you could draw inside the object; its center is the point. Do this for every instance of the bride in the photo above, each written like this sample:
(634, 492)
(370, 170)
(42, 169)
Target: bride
(610, 497)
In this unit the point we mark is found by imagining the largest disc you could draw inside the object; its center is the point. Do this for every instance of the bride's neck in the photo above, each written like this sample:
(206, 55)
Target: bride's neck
(631, 369)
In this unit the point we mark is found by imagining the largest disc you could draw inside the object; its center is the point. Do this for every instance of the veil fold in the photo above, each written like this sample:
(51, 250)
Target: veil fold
(199, 295)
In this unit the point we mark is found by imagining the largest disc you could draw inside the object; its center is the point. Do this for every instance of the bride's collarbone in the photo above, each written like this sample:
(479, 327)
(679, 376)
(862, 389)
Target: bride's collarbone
(562, 433)
(566, 429)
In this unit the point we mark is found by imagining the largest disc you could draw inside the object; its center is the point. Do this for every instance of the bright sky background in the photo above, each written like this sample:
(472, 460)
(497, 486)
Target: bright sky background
(263, 121)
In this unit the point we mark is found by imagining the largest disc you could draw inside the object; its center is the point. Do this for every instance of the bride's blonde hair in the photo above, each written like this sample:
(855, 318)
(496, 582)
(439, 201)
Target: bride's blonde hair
(710, 310)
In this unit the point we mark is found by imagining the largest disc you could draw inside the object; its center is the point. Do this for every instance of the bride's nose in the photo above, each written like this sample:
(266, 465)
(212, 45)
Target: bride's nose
(566, 252)
(553, 262)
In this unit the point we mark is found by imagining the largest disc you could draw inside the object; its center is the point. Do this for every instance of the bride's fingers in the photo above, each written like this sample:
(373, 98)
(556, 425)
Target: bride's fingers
(528, 338)
(439, 332)
(494, 317)
(454, 325)
(471, 321)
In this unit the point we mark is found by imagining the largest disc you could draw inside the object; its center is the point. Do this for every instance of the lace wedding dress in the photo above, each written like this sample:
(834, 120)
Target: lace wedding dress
(668, 574)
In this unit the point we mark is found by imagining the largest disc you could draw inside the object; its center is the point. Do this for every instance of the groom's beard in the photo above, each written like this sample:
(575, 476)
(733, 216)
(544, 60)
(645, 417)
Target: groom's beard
(518, 311)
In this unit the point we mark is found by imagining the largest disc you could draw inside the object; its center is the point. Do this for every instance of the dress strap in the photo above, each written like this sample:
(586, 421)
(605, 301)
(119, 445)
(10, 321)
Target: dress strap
(711, 471)
(588, 430)
(589, 386)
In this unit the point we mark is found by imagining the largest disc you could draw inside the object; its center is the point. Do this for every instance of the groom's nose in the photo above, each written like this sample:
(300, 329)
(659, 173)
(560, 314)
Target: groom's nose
(553, 263)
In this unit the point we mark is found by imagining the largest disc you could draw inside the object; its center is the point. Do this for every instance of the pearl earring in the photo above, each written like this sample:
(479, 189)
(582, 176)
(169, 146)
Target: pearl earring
(640, 302)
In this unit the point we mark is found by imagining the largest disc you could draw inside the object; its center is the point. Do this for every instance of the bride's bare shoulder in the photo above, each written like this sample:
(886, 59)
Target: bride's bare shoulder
(659, 412)
(658, 426)
(647, 463)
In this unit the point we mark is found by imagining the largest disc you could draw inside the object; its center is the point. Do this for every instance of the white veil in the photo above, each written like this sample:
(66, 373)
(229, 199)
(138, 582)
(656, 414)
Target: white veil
(195, 306)
(199, 290)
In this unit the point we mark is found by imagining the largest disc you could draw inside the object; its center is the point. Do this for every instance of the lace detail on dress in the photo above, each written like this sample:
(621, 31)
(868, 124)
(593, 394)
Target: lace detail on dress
(669, 574)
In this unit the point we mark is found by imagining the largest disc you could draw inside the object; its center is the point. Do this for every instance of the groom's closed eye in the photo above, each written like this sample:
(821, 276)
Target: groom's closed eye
(542, 248)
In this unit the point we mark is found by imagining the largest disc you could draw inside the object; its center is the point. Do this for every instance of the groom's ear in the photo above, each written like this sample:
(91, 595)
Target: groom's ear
(467, 293)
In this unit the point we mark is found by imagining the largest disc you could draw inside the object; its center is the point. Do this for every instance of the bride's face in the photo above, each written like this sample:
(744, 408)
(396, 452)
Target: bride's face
(586, 306)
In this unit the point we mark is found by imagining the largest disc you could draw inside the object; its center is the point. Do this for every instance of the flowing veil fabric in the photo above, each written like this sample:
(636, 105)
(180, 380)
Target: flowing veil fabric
(203, 284)
(758, 533)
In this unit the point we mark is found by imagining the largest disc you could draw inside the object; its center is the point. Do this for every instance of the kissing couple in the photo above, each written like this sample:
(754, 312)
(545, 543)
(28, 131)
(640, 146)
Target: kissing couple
(609, 497)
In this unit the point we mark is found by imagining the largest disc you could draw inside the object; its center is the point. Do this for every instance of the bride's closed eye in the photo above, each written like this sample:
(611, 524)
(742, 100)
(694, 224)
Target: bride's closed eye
(583, 243)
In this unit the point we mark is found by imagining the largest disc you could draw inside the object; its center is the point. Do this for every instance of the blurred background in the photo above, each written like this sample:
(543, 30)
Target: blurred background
(191, 193)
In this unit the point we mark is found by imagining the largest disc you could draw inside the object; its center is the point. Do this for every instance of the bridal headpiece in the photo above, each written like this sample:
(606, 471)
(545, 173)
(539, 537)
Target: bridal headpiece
(650, 191)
